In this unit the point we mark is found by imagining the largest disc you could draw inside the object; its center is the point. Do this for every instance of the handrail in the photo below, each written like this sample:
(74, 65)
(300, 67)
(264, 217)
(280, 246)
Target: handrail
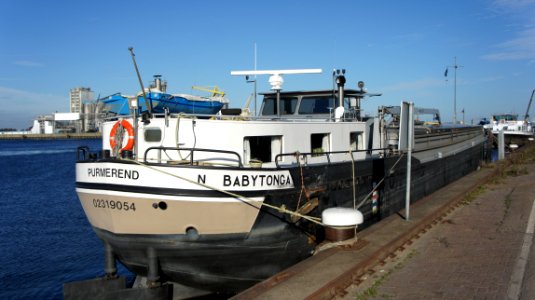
(192, 150)
(287, 118)
(327, 154)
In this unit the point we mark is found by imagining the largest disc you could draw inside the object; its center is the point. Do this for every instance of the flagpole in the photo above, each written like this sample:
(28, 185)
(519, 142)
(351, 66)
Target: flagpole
(455, 67)
(455, 92)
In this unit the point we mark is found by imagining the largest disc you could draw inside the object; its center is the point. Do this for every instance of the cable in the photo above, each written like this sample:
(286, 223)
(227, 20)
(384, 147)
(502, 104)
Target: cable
(245, 200)
(380, 181)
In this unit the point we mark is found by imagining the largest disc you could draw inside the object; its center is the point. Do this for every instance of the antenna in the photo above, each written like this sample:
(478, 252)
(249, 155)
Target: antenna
(149, 105)
(276, 80)
(255, 59)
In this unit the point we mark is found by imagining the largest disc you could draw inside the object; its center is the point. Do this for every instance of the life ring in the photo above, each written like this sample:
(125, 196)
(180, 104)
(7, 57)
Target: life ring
(129, 129)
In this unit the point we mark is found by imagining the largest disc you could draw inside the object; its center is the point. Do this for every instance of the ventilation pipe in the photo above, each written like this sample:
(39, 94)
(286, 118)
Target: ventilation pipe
(339, 111)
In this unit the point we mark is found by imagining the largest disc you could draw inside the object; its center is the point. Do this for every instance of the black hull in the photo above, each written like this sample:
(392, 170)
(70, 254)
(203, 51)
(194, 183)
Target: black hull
(233, 262)
(225, 263)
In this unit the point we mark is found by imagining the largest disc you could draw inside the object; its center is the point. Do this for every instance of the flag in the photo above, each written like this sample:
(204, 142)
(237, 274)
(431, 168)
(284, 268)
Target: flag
(446, 73)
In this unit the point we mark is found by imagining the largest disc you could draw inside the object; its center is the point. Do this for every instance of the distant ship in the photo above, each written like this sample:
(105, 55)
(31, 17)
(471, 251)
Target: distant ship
(516, 132)
(160, 101)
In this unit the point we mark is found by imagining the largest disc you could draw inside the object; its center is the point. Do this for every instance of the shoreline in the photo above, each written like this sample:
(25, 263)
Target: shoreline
(54, 136)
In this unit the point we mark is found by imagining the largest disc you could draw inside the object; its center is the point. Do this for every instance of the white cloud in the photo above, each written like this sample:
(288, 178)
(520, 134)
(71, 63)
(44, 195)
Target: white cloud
(414, 85)
(27, 63)
(20, 107)
(521, 47)
(491, 79)
(16, 100)
(512, 5)
(410, 37)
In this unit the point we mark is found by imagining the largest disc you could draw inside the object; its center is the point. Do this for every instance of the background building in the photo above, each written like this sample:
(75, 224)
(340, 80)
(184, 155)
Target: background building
(43, 124)
(80, 95)
(84, 115)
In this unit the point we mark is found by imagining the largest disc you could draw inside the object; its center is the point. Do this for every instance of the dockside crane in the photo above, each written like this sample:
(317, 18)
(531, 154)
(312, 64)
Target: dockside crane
(526, 116)
(215, 91)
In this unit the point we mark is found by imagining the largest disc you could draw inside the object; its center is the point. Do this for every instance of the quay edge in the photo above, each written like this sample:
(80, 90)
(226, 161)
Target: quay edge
(54, 136)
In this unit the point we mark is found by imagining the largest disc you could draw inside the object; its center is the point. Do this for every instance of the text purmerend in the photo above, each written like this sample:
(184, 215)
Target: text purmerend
(112, 172)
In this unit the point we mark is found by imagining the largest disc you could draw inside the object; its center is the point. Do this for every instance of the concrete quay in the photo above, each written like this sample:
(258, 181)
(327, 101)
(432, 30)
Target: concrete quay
(469, 240)
(53, 136)
(481, 250)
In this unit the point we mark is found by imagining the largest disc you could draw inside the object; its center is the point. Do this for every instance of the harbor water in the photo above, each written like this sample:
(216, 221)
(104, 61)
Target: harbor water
(45, 238)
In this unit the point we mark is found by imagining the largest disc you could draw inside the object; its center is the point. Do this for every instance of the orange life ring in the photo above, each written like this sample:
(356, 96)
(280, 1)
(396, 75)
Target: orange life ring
(126, 125)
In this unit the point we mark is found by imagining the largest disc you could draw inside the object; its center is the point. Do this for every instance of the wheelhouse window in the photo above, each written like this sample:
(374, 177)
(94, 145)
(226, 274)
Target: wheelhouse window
(262, 148)
(316, 105)
(319, 143)
(288, 105)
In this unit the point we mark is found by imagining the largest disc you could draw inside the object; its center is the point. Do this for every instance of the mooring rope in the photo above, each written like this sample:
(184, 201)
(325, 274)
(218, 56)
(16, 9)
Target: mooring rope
(246, 200)
(353, 177)
(119, 137)
(282, 208)
(177, 131)
(303, 188)
(380, 181)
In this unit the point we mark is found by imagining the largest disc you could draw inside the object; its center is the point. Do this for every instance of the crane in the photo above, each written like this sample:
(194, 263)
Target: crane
(214, 90)
(526, 116)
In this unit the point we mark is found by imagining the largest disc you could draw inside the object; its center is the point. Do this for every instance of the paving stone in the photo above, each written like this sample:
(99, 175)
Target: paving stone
(471, 254)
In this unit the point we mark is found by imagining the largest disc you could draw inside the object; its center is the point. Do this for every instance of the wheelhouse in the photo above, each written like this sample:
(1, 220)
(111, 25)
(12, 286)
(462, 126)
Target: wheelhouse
(313, 104)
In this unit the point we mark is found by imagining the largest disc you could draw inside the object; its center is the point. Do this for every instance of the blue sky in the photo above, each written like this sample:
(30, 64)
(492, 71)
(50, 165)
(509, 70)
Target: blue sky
(399, 48)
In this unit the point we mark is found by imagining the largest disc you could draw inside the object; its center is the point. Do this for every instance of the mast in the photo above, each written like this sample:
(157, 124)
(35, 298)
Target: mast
(255, 57)
(149, 107)
(455, 67)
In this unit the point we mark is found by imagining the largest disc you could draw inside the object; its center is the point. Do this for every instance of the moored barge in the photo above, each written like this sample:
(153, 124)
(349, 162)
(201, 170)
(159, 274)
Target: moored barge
(221, 202)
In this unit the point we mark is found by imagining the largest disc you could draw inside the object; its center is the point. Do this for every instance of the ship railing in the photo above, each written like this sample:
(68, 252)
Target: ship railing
(304, 156)
(190, 159)
(266, 118)
(82, 153)
(348, 117)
